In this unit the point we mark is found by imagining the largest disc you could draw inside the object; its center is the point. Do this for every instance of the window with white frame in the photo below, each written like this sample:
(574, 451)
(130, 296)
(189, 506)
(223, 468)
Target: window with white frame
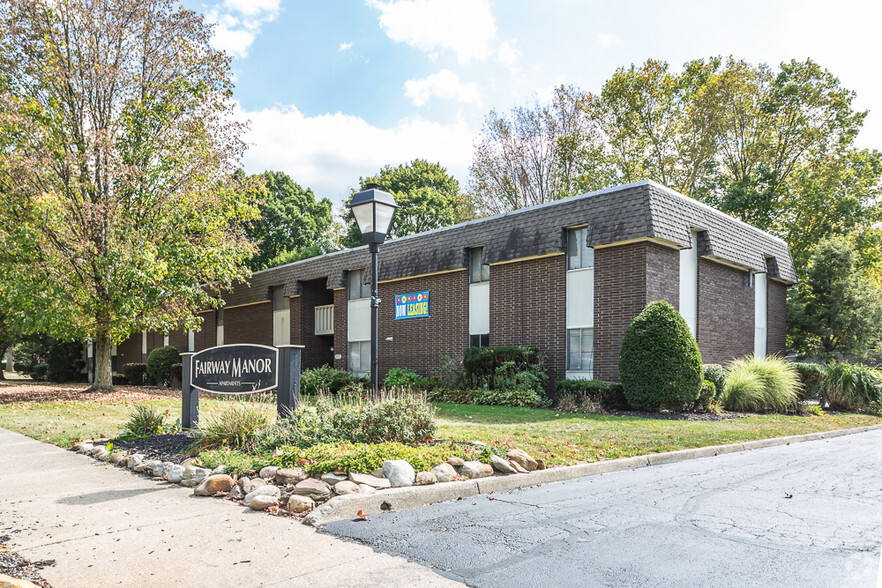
(579, 255)
(580, 350)
(479, 340)
(359, 324)
(478, 270)
(479, 299)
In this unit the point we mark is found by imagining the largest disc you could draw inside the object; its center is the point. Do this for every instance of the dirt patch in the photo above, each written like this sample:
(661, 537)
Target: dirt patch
(17, 391)
(680, 416)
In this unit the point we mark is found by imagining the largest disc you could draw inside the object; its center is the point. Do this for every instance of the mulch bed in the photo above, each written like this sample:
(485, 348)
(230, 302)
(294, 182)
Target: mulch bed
(680, 416)
(15, 391)
(15, 566)
(170, 447)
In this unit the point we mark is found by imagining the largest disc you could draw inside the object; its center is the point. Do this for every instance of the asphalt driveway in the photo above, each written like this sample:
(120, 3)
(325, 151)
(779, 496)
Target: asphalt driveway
(807, 514)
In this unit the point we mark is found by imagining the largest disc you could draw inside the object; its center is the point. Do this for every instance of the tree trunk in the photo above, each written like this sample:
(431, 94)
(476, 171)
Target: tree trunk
(103, 381)
(10, 366)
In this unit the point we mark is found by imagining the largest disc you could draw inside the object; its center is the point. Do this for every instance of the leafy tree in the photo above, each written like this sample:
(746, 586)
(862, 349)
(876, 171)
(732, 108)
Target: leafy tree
(291, 219)
(117, 145)
(427, 197)
(835, 310)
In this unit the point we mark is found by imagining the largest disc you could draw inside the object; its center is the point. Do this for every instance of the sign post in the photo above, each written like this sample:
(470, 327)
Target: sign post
(240, 369)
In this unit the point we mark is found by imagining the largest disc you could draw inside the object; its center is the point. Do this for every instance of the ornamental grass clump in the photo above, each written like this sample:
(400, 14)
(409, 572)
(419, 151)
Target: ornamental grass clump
(660, 364)
(144, 421)
(236, 424)
(761, 385)
(853, 387)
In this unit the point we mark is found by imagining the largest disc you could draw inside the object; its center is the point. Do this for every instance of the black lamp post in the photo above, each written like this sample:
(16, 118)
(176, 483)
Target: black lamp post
(373, 210)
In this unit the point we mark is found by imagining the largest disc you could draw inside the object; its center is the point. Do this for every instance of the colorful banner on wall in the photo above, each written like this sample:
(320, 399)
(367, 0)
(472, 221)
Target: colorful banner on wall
(413, 305)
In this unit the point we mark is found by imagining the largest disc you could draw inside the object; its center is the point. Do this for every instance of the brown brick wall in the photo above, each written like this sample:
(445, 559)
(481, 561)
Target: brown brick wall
(776, 340)
(178, 340)
(662, 274)
(419, 343)
(340, 330)
(249, 324)
(619, 296)
(129, 351)
(725, 312)
(528, 307)
(206, 336)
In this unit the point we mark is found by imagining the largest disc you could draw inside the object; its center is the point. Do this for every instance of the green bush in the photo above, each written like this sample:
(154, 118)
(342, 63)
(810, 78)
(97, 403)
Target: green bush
(144, 421)
(366, 457)
(716, 374)
(23, 367)
(235, 424)
(64, 361)
(707, 397)
(324, 379)
(610, 395)
(38, 372)
(402, 418)
(455, 395)
(403, 378)
(761, 385)
(812, 376)
(177, 372)
(853, 387)
(237, 462)
(660, 364)
(135, 373)
(481, 364)
(160, 362)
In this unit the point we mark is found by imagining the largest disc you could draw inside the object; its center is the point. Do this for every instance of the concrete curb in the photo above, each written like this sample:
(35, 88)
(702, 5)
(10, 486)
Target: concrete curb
(346, 507)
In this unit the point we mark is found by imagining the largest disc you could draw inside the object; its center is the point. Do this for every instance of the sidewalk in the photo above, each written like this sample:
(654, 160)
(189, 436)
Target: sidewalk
(105, 526)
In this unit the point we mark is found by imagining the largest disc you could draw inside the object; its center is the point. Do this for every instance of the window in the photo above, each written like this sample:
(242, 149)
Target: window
(360, 357)
(479, 340)
(279, 302)
(478, 270)
(357, 287)
(580, 350)
(579, 255)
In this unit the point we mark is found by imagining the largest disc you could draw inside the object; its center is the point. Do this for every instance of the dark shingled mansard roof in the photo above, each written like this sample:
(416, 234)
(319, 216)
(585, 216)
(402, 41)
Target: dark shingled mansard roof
(641, 210)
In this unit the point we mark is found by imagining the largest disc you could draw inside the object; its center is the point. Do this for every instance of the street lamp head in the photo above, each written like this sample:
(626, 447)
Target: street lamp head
(373, 210)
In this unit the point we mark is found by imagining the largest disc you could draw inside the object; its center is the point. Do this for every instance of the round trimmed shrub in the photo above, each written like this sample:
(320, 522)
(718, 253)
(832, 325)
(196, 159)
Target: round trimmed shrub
(160, 362)
(660, 364)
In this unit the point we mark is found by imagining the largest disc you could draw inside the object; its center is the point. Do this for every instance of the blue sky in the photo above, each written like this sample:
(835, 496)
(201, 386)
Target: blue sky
(334, 89)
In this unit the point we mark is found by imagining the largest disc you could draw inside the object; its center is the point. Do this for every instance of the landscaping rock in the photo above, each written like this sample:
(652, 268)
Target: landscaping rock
(174, 473)
(540, 464)
(96, 449)
(269, 472)
(346, 487)
(456, 462)
(332, 479)
(272, 491)
(370, 480)
(117, 458)
(425, 478)
(518, 467)
(146, 467)
(101, 454)
(520, 457)
(86, 448)
(189, 461)
(399, 472)
(214, 484)
(221, 469)
(263, 502)
(285, 476)
(365, 489)
(251, 485)
(193, 476)
(502, 466)
(236, 493)
(444, 472)
(315, 489)
(476, 469)
(378, 473)
(242, 479)
(300, 504)
(135, 460)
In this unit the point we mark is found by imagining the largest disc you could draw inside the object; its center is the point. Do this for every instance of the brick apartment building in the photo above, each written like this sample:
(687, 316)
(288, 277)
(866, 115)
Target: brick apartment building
(566, 277)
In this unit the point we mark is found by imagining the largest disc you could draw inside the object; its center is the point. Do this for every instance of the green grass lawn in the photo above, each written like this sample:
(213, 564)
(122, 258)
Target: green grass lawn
(64, 414)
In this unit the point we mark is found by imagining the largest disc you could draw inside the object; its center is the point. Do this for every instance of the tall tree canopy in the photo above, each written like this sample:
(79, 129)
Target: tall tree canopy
(117, 145)
(427, 197)
(772, 147)
(291, 220)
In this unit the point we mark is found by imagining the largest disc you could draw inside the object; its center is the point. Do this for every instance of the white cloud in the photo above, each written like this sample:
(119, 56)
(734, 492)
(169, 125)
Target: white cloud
(344, 47)
(607, 40)
(445, 85)
(238, 22)
(508, 55)
(466, 27)
(329, 152)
